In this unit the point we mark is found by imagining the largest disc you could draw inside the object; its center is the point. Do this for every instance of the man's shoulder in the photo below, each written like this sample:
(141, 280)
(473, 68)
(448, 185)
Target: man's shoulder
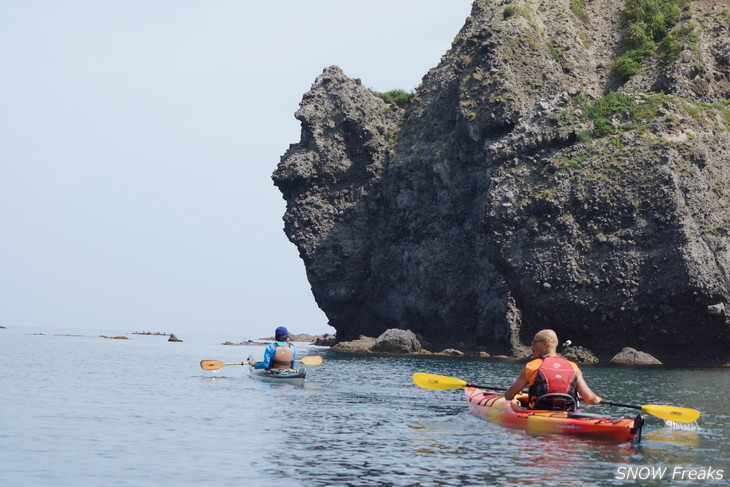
(534, 363)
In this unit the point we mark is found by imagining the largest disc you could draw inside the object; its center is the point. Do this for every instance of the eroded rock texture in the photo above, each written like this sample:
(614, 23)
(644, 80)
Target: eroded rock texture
(515, 193)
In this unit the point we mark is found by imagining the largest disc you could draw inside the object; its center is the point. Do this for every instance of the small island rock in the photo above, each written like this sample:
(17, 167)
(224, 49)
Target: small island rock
(634, 357)
(396, 340)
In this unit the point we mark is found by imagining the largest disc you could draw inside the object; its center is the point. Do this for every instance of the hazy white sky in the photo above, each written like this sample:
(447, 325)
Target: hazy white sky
(137, 142)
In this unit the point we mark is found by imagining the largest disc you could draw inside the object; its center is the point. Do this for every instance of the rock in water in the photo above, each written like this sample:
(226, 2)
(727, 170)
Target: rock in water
(397, 341)
(634, 357)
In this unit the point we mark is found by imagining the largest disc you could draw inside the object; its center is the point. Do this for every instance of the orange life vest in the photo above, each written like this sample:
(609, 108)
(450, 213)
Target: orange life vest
(549, 375)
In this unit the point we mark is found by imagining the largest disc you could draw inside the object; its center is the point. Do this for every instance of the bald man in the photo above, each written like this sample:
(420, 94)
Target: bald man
(548, 373)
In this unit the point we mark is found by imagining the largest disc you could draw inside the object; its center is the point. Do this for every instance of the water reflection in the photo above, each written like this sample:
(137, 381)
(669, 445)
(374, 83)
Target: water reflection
(511, 456)
(684, 438)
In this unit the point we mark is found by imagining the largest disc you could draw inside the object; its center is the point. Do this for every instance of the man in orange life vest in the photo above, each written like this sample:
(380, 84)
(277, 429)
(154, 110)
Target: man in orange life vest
(550, 374)
(278, 355)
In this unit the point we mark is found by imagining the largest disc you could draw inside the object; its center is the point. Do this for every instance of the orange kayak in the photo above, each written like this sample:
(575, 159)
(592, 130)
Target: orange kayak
(493, 407)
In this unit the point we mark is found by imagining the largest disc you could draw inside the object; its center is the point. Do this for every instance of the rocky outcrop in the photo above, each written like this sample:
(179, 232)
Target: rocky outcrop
(328, 180)
(393, 340)
(397, 341)
(517, 193)
(630, 356)
(580, 355)
(452, 351)
(326, 340)
(302, 337)
(362, 344)
(245, 342)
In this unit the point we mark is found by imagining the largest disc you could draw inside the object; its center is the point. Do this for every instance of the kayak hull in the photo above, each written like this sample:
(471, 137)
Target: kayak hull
(494, 407)
(285, 376)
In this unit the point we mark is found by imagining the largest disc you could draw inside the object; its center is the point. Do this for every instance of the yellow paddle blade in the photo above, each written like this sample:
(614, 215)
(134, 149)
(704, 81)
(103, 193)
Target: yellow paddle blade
(211, 364)
(432, 381)
(214, 364)
(311, 360)
(672, 413)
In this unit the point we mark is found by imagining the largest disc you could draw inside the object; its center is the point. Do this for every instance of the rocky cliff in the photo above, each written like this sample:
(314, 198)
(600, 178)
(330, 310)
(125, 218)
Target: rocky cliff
(530, 183)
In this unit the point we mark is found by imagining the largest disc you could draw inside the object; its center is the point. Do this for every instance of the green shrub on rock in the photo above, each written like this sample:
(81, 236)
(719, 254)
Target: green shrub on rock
(647, 22)
(400, 98)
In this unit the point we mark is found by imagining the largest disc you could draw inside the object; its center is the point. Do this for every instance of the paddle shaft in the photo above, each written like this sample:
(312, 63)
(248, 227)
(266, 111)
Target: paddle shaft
(486, 388)
(217, 364)
(620, 404)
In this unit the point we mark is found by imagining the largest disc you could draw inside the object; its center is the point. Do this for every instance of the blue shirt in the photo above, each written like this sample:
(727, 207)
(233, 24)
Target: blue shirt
(269, 355)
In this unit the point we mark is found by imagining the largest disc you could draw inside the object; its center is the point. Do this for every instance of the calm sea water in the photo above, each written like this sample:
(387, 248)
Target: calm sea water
(85, 411)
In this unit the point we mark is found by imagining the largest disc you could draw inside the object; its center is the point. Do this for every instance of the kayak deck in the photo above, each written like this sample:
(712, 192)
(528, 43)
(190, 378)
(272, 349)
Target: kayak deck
(287, 376)
(494, 407)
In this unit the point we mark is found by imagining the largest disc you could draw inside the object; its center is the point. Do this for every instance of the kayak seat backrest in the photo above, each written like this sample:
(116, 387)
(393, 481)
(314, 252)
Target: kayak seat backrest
(555, 402)
(522, 400)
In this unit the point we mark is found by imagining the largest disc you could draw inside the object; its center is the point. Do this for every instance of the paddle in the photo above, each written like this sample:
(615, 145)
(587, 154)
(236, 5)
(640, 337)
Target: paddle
(433, 381)
(312, 360)
(669, 413)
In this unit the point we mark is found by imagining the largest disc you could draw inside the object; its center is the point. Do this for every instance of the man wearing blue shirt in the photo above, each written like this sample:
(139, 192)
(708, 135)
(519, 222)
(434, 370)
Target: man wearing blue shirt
(278, 355)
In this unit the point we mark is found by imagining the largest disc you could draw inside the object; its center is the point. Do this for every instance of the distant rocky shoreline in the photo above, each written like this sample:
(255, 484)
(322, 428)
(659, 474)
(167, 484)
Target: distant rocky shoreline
(405, 342)
(396, 340)
(325, 340)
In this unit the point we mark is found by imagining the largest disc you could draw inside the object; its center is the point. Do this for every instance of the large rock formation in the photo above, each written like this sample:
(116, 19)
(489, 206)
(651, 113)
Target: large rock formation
(517, 193)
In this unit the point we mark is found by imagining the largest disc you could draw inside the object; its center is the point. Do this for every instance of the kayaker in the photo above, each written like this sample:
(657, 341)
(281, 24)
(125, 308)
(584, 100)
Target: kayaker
(550, 374)
(278, 355)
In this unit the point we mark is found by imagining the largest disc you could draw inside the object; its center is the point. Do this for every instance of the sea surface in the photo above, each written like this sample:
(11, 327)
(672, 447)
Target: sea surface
(78, 410)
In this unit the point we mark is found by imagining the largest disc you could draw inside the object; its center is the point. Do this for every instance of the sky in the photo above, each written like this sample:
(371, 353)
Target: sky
(137, 143)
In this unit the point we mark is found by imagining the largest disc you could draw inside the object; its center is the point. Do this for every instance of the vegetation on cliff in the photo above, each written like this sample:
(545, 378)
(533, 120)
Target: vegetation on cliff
(647, 22)
(398, 97)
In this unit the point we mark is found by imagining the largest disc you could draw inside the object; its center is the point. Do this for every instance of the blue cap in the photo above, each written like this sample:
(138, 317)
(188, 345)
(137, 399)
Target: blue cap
(281, 331)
